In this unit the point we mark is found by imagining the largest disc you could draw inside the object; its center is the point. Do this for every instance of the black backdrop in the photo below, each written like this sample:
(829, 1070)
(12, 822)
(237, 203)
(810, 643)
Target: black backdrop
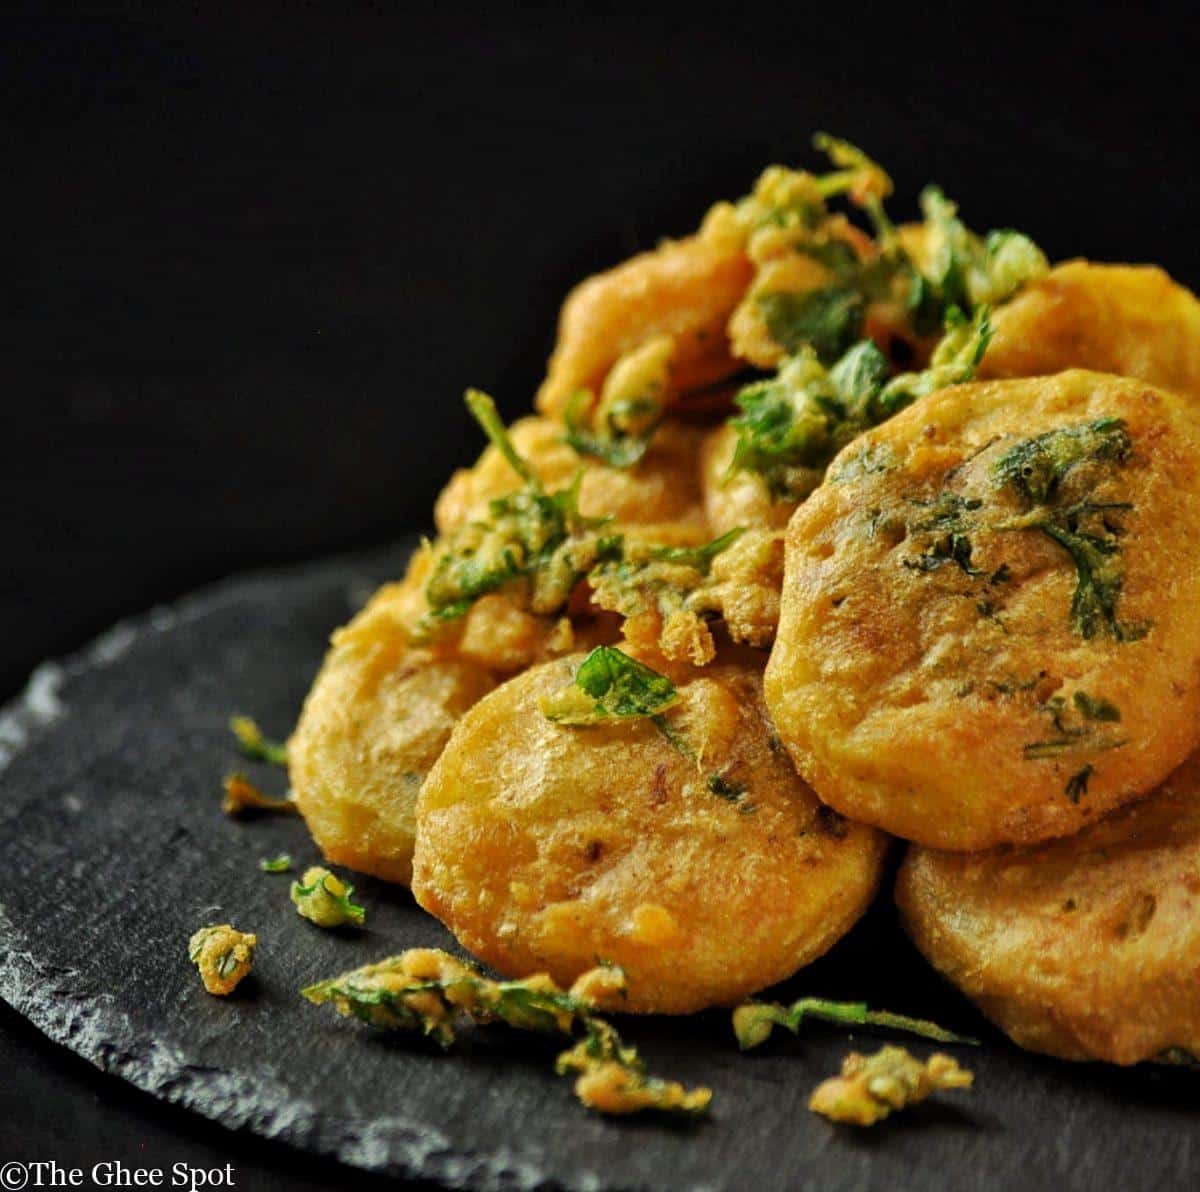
(252, 254)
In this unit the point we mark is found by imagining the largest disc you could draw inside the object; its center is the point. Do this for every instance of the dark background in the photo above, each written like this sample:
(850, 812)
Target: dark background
(252, 254)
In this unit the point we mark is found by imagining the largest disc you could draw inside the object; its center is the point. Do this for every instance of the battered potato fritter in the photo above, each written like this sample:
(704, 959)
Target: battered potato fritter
(374, 722)
(704, 877)
(686, 289)
(989, 628)
(1085, 948)
(1132, 320)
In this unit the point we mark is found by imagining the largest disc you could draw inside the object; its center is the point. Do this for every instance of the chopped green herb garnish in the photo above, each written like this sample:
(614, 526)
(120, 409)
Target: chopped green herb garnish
(1094, 708)
(1077, 784)
(630, 408)
(1036, 467)
(699, 558)
(953, 362)
(950, 548)
(254, 745)
(1088, 531)
(1071, 737)
(326, 900)
(726, 788)
(280, 864)
(754, 1021)
(430, 991)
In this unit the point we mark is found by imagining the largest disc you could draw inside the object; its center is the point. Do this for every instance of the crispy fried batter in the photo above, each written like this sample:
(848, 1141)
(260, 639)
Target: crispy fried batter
(375, 721)
(691, 856)
(989, 627)
(1132, 320)
(1085, 948)
(686, 289)
(872, 1087)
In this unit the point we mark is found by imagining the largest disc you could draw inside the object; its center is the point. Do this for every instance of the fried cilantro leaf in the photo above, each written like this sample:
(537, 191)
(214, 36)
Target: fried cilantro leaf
(956, 267)
(427, 990)
(610, 685)
(754, 1021)
(326, 900)
(792, 425)
(242, 796)
(630, 409)
(254, 745)
(528, 535)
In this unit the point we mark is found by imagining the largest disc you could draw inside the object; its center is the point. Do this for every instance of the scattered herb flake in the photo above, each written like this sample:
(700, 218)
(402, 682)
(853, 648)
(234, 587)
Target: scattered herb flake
(324, 899)
(428, 990)
(223, 956)
(754, 1021)
(870, 1088)
(254, 745)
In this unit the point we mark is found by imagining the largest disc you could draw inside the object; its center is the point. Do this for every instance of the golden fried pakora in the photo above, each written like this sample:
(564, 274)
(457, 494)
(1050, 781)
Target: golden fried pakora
(662, 830)
(989, 627)
(372, 725)
(685, 289)
(1132, 320)
(1084, 948)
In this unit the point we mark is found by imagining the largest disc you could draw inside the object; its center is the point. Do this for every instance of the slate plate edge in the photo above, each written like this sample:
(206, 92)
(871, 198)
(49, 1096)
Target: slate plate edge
(101, 1034)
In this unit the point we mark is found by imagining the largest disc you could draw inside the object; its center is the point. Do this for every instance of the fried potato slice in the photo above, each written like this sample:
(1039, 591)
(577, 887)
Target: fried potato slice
(660, 494)
(989, 627)
(1132, 320)
(1085, 948)
(704, 877)
(374, 722)
(686, 289)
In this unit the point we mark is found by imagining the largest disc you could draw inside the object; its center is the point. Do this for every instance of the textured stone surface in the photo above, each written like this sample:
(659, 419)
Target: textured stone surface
(114, 849)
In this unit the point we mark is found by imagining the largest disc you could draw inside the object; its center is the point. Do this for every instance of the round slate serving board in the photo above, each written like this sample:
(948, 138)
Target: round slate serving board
(114, 849)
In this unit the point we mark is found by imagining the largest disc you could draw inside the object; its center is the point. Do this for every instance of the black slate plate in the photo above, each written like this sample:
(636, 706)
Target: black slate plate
(113, 849)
